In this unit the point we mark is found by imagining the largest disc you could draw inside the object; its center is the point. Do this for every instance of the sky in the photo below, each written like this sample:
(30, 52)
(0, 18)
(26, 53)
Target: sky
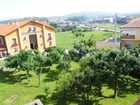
(44, 8)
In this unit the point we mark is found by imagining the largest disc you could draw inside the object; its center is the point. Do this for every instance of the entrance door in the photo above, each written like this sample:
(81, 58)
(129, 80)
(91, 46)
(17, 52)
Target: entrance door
(33, 41)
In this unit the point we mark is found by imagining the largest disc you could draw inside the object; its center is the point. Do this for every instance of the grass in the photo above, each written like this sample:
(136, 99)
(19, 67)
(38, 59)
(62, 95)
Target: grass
(66, 39)
(14, 83)
(108, 26)
(2, 63)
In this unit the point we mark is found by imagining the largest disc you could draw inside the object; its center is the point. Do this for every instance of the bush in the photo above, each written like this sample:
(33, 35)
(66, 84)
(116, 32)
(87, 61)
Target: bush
(55, 53)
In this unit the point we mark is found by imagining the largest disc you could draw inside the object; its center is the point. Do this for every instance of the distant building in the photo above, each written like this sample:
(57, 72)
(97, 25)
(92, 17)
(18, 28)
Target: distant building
(102, 20)
(123, 19)
(24, 35)
(108, 20)
(131, 34)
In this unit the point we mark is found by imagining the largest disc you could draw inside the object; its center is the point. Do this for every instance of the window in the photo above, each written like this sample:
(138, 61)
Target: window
(1, 41)
(34, 28)
(15, 49)
(14, 42)
(49, 36)
(31, 28)
(50, 43)
(127, 34)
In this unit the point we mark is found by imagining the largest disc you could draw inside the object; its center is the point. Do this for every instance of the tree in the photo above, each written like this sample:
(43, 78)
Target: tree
(68, 28)
(120, 63)
(55, 54)
(90, 42)
(12, 61)
(111, 67)
(81, 82)
(39, 63)
(75, 84)
(55, 25)
(24, 60)
(86, 76)
(74, 55)
(64, 62)
(48, 62)
(135, 52)
(97, 64)
(27, 62)
(76, 18)
(78, 34)
(80, 49)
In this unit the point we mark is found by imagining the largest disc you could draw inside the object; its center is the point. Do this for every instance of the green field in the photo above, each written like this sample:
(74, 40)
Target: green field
(109, 26)
(66, 39)
(15, 84)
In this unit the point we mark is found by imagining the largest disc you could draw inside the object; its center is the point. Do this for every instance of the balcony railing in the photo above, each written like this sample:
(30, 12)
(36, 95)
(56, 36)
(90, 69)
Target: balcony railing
(2, 46)
(128, 36)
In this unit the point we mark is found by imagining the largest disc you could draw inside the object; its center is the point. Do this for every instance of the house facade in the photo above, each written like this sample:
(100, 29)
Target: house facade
(25, 35)
(131, 34)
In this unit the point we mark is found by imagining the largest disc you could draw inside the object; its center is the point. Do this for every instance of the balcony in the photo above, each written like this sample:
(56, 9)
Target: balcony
(128, 36)
(14, 45)
(2, 47)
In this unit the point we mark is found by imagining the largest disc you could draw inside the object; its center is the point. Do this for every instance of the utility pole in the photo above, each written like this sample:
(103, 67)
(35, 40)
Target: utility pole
(115, 32)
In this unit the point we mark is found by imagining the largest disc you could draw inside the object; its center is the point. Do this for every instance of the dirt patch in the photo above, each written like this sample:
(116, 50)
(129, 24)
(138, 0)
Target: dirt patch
(10, 100)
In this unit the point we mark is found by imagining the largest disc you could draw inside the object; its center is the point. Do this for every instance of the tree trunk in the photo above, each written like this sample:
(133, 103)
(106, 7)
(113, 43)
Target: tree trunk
(28, 76)
(86, 100)
(87, 96)
(100, 87)
(100, 91)
(116, 87)
(39, 79)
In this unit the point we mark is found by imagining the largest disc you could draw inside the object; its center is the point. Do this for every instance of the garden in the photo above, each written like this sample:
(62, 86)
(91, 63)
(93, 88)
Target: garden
(80, 75)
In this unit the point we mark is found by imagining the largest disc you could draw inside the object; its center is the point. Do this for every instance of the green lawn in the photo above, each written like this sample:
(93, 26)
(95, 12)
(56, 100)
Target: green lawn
(66, 39)
(15, 84)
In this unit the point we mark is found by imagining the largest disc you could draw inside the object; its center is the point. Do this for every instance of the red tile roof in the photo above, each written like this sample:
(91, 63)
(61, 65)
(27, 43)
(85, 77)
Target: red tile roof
(5, 29)
(135, 23)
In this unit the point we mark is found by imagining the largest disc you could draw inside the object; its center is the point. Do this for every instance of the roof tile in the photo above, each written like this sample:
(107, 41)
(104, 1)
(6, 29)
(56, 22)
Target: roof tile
(135, 23)
(7, 28)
